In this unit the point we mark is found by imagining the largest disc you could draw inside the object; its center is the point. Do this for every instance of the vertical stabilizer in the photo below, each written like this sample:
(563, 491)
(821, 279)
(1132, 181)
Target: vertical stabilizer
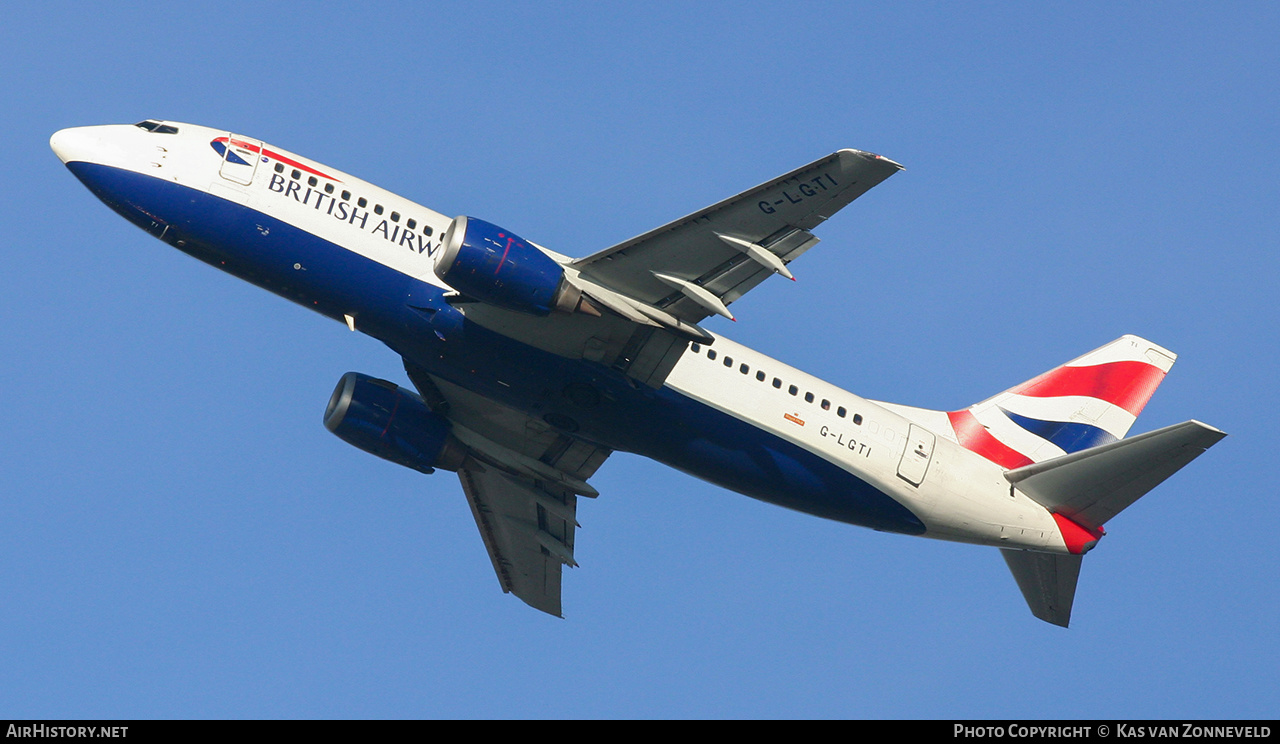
(1087, 402)
(1060, 439)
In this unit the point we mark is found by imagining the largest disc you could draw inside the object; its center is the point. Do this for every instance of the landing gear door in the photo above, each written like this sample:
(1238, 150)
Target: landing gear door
(916, 457)
(240, 158)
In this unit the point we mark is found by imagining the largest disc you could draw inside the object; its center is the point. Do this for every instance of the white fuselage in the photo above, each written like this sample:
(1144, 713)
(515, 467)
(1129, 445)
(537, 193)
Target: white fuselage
(908, 455)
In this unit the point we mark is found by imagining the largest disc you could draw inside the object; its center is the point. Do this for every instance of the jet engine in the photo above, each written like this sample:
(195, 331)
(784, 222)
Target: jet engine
(493, 265)
(386, 420)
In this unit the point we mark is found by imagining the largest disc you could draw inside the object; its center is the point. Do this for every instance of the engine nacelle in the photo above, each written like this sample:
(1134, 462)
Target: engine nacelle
(495, 266)
(386, 420)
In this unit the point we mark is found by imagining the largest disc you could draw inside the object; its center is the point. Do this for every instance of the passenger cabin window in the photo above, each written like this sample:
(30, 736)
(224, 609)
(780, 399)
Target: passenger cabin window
(793, 390)
(777, 383)
(808, 397)
(711, 353)
(692, 347)
(279, 167)
(826, 405)
(857, 418)
(744, 369)
(760, 375)
(346, 195)
(395, 216)
(426, 230)
(412, 223)
(312, 181)
(377, 209)
(362, 202)
(328, 188)
(728, 361)
(841, 411)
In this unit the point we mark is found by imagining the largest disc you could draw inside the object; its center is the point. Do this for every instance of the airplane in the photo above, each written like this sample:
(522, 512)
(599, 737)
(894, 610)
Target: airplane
(531, 367)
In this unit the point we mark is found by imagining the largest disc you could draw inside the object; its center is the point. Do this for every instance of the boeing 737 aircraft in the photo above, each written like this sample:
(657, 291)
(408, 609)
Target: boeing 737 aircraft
(531, 367)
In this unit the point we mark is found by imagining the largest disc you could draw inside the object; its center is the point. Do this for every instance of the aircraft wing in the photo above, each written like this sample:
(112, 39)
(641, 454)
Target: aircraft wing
(658, 286)
(522, 479)
(697, 265)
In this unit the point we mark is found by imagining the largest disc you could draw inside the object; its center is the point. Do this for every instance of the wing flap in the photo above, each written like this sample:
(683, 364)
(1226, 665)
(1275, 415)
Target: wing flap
(527, 541)
(788, 246)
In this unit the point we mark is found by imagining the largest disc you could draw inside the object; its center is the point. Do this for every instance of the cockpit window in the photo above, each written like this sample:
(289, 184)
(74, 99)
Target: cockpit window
(151, 125)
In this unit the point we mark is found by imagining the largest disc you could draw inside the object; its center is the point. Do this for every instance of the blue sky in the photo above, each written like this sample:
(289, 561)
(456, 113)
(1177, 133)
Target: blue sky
(182, 538)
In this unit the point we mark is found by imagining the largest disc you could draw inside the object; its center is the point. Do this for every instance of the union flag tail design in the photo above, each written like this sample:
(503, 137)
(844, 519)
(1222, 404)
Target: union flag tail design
(1087, 402)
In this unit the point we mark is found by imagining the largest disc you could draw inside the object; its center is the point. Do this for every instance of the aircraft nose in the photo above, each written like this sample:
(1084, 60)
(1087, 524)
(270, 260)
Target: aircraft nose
(75, 144)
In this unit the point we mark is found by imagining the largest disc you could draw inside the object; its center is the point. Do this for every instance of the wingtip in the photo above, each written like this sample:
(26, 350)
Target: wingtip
(874, 156)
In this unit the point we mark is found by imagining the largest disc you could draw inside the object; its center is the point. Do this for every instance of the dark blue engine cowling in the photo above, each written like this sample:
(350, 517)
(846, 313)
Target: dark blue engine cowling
(495, 266)
(388, 421)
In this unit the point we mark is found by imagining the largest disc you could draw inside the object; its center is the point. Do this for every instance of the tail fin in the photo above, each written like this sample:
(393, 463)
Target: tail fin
(1060, 439)
(1087, 402)
(1085, 489)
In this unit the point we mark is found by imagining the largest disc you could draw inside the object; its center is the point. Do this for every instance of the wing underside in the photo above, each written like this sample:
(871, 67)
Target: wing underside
(527, 530)
(522, 479)
(644, 297)
(697, 265)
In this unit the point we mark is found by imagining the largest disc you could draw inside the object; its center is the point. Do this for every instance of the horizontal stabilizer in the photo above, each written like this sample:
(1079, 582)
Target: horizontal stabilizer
(1093, 485)
(1047, 581)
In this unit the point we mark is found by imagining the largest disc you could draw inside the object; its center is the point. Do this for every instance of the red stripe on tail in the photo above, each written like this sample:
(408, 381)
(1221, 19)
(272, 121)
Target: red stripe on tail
(1078, 539)
(1126, 384)
(974, 437)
